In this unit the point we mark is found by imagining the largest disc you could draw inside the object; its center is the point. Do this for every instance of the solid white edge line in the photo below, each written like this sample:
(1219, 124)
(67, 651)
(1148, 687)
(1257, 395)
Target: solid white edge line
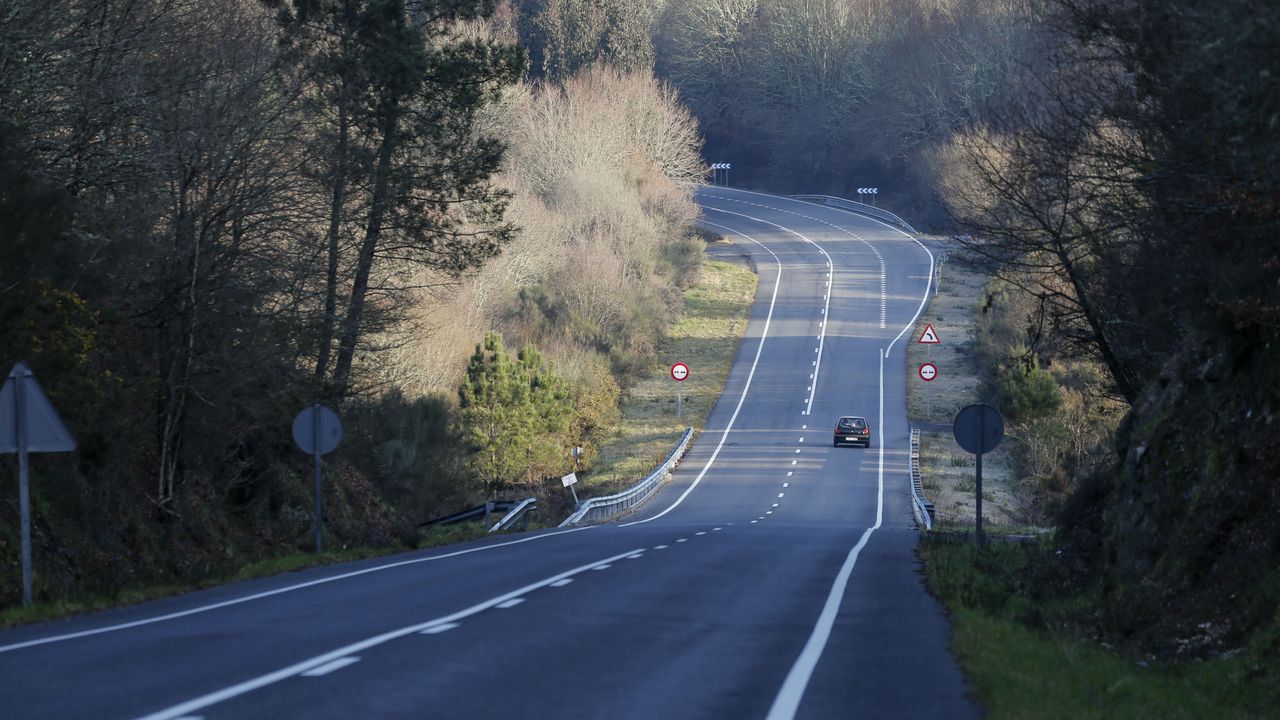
(791, 693)
(764, 334)
(261, 681)
(270, 593)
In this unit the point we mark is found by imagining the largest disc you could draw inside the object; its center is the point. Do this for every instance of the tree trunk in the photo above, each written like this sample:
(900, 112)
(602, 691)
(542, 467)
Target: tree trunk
(373, 231)
(335, 224)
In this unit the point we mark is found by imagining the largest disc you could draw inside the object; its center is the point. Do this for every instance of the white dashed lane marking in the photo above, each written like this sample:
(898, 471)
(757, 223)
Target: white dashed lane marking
(329, 667)
(437, 629)
(562, 583)
(510, 603)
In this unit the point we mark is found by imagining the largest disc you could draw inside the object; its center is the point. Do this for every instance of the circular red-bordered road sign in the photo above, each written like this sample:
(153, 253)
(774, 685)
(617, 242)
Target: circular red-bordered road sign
(928, 372)
(679, 372)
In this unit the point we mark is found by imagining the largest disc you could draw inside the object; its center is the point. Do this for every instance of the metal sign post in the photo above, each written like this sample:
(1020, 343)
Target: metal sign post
(978, 429)
(930, 338)
(679, 373)
(24, 484)
(317, 430)
(569, 481)
(28, 423)
(928, 373)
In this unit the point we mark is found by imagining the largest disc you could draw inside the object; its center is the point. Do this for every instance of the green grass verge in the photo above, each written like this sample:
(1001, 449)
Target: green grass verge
(706, 338)
(1049, 671)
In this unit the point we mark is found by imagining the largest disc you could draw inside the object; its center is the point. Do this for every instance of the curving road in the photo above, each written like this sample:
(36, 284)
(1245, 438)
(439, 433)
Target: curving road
(773, 577)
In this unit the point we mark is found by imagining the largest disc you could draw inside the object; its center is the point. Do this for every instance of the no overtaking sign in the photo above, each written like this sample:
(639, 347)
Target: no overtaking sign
(679, 372)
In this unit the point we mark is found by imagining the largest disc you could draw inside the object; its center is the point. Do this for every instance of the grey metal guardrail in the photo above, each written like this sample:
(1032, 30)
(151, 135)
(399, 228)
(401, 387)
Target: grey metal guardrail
(602, 508)
(860, 208)
(519, 512)
(487, 510)
(923, 508)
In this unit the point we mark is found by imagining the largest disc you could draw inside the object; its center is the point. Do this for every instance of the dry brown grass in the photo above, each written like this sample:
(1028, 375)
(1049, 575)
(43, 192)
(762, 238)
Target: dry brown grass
(947, 471)
(707, 343)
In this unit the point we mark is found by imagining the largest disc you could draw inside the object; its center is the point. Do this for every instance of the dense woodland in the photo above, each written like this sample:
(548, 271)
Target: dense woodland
(216, 212)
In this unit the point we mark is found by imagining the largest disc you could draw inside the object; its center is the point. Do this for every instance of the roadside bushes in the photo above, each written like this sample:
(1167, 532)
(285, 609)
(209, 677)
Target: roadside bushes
(516, 415)
(1058, 417)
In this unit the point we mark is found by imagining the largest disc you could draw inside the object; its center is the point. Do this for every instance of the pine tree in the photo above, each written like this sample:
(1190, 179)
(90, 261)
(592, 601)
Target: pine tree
(516, 416)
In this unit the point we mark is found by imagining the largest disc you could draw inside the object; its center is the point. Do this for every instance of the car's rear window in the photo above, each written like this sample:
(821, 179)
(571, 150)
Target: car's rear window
(847, 423)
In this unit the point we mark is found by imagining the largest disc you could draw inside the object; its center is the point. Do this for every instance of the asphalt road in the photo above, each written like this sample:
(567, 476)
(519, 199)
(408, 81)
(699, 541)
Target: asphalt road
(773, 577)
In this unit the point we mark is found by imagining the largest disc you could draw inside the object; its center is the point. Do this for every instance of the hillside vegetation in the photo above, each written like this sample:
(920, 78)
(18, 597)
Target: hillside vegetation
(215, 213)
(1125, 202)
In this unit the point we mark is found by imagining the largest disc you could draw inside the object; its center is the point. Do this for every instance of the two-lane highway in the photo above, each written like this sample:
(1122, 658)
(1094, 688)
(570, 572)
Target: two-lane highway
(773, 577)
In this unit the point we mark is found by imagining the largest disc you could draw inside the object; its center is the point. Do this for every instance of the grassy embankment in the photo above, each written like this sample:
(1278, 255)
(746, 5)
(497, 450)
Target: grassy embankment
(706, 339)
(1028, 653)
(432, 537)
(947, 471)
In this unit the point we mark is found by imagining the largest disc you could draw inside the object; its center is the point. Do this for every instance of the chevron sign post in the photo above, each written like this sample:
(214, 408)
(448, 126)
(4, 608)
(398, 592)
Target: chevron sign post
(716, 169)
(872, 191)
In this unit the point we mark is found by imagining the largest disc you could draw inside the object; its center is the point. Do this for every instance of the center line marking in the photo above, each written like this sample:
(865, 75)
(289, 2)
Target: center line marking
(510, 603)
(312, 663)
(659, 547)
(786, 484)
(683, 540)
(704, 532)
(562, 583)
(781, 494)
(437, 629)
(602, 567)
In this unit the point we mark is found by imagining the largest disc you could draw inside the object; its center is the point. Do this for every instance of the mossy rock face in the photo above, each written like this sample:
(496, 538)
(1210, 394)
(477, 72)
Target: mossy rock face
(1190, 527)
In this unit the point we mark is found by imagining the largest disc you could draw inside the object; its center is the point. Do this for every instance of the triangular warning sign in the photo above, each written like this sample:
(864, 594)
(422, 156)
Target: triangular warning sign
(929, 337)
(45, 431)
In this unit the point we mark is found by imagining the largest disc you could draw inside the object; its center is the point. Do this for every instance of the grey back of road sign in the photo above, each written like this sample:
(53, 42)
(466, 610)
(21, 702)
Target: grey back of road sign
(978, 429)
(330, 430)
(45, 431)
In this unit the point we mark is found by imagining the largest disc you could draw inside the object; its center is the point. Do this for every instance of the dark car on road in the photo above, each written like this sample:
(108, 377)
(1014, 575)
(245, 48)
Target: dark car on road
(852, 429)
